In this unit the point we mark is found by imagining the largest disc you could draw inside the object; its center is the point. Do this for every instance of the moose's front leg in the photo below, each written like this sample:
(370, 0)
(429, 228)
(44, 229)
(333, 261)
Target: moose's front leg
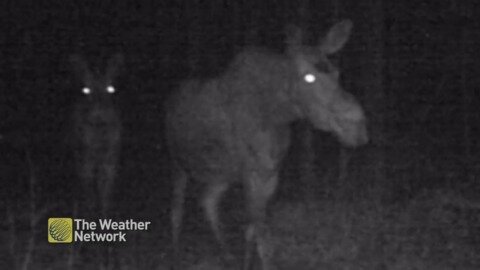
(266, 149)
(259, 188)
(86, 172)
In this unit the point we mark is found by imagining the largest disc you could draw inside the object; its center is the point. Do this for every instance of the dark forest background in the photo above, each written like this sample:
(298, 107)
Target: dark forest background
(409, 199)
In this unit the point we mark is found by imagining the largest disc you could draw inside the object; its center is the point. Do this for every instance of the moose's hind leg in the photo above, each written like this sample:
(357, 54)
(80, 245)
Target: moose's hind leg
(180, 178)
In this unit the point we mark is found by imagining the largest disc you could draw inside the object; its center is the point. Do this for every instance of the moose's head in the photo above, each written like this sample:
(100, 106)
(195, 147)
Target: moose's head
(97, 87)
(318, 92)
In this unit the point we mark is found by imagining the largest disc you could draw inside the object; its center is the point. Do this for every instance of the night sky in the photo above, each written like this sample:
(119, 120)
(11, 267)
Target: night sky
(413, 66)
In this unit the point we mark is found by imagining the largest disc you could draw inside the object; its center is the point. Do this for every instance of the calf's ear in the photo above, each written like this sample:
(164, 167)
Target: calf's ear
(114, 65)
(80, 67)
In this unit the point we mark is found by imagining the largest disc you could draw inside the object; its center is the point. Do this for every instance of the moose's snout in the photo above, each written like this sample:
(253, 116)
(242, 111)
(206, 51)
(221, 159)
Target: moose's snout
(354, 134)
(349, 124)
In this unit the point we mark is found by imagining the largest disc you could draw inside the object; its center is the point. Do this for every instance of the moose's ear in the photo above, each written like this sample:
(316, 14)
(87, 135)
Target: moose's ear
(114, 65)
(293, 36)
(80, 67)
(336, 37)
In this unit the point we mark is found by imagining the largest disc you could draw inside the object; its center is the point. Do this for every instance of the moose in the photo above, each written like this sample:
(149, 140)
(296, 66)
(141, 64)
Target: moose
(96, 132)
(236, 127)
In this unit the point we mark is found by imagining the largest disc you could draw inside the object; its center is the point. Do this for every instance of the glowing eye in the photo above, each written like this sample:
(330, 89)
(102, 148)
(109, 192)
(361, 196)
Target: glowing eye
(309, 78)
(86, 91)
(110, 89)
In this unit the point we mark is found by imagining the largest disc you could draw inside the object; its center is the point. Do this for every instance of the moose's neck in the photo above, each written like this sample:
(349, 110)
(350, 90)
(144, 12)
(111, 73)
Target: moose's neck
(267, 81)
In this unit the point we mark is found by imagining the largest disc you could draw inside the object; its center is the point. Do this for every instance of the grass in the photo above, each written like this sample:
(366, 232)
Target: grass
(435, 230)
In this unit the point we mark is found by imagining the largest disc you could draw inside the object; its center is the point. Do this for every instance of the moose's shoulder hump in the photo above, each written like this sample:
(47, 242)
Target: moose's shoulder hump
(256, 56)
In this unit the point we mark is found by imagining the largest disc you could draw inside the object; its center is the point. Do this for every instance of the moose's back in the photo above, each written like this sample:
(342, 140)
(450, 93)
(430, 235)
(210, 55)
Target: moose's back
(209, 122)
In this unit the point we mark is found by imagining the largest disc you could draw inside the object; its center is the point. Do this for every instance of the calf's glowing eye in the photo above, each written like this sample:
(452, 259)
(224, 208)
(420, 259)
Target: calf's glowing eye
(309, 78)
(86, 91)
(110, 89)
